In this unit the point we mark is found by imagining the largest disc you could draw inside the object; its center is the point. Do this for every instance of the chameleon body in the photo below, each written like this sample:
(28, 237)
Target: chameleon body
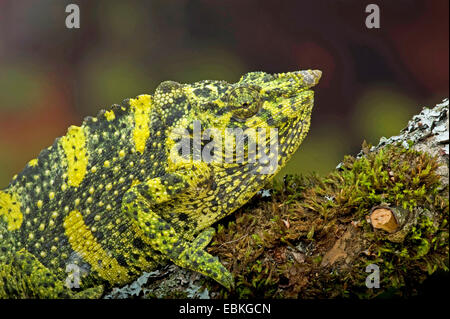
(111, 200)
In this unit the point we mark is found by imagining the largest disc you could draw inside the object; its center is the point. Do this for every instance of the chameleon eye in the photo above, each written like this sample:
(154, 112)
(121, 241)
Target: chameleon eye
(244, 102)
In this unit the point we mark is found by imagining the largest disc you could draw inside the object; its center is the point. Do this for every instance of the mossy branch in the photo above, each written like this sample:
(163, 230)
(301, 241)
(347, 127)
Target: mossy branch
(314, 237)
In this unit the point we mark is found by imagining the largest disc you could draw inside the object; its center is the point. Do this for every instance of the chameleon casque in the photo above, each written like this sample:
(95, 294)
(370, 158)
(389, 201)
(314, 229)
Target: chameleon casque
(109, 198)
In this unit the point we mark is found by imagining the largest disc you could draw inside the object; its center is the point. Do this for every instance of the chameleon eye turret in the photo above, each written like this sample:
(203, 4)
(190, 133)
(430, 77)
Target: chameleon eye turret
(106, 199)
(244, 102)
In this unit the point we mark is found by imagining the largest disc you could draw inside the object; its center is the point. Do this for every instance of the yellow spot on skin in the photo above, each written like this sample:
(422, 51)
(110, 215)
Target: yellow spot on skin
(110, 115)
(83, 242)
(33, 162)
(141, 107)
(10, 210)
(74, 145)
(135, 182)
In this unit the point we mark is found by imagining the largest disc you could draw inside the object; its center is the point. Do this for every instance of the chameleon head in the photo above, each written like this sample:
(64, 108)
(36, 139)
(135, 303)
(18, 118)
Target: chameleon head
(276, 99)
(281, 103)
(256, 125)
(259, 111)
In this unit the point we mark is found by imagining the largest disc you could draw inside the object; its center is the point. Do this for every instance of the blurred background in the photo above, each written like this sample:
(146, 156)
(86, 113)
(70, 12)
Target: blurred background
(373, 80)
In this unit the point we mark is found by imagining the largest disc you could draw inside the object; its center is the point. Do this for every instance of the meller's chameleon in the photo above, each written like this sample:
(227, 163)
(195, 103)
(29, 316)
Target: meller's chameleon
(109, 197)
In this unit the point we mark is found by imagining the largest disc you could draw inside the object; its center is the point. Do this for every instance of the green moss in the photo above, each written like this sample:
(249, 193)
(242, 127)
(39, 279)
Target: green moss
(275, 247)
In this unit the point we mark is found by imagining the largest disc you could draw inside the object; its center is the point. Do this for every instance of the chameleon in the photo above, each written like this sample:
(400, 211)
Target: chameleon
(114, 198)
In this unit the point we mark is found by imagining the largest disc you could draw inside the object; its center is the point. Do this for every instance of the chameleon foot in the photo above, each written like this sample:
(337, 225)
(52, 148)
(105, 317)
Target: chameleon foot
(195, 258)
(165, 239)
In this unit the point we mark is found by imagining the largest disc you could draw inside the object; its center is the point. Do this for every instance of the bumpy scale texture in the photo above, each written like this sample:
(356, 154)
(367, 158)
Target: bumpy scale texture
(109, 199)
